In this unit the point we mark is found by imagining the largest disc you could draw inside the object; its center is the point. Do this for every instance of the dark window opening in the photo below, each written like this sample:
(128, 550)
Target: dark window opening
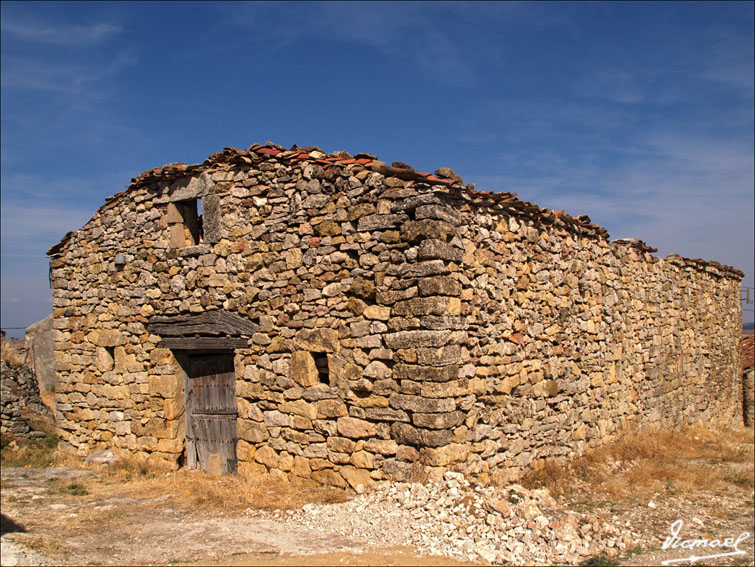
(110, 357)
(321, 362)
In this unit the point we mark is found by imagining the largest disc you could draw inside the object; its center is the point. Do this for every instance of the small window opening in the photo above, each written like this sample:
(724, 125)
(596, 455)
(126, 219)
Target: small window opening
(108, 360)
(321, 362)
(185, 220)
(192, 217)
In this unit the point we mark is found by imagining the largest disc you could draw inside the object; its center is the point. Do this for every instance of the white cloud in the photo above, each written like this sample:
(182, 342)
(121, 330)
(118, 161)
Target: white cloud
(81, 78)
(59, 33)
(680, 193)
(32, 229)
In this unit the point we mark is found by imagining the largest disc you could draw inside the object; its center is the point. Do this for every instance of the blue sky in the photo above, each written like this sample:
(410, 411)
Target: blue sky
(639, 115)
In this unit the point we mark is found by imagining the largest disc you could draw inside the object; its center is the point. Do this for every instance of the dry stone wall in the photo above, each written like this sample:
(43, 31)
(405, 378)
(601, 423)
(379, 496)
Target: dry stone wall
(748, 379)
(577, 338)
(20, 403)
(405, 323)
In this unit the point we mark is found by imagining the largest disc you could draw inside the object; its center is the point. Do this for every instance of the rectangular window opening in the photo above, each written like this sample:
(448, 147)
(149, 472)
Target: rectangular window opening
(185, 221)
(192, 217)
(110, 352)
(321, 362)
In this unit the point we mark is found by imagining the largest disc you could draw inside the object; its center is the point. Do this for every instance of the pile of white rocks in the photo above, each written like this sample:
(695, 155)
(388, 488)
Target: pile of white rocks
(458, 518)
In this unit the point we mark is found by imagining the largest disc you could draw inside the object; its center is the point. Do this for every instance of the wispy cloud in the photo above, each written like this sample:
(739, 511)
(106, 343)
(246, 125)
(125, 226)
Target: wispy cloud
(59, 34)
(25, 187)
(41, 74)
(729, 58)
(49, 54)
(422, 34)
(690, 195)
(33, 229)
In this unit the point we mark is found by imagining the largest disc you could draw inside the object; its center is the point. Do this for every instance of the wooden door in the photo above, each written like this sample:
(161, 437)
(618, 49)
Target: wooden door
(211, 411)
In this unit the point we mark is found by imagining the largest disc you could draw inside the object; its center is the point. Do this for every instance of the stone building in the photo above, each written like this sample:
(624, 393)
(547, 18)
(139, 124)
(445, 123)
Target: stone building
(748, 379)
(336, 318)
(39, 343)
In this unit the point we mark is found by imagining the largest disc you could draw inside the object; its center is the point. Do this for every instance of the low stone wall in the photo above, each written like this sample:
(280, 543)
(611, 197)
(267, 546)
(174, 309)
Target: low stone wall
(405, 323)
(19, 397)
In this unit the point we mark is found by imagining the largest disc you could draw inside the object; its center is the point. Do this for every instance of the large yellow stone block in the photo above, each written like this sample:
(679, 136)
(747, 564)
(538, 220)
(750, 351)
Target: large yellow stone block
(358, 479)
(164, 385)
(300, 407)
(267, 456)
(302, 369)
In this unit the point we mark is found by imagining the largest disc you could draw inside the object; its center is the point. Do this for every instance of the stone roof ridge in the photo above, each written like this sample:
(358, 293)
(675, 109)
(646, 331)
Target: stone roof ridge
(452, 184)
(640, 245)
(705, 265)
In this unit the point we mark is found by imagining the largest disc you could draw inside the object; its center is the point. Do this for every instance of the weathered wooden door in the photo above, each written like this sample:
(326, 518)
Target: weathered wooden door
(211, 411)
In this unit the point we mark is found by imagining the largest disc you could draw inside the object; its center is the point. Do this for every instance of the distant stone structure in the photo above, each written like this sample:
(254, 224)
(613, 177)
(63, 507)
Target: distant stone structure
(40, 344)
(335, 318)
(20, 402)
(748, 379)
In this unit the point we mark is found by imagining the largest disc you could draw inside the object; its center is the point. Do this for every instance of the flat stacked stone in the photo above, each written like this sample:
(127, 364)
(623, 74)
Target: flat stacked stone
(406, 324)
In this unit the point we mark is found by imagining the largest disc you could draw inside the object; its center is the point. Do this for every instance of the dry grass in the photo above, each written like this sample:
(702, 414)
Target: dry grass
(35, 453)
(11, 353)
(640, 464)
(43, 544)
(264, 492)
(194, 489)
(191, 489)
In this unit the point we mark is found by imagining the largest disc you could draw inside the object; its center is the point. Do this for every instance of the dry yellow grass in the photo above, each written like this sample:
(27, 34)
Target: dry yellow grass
(265, 492)
(12, 354)
(46, 545)
(193, 489)
(131, 477)
(639, 464)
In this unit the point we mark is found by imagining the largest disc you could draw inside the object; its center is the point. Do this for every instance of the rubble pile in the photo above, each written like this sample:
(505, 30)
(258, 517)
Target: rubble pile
(463, 519)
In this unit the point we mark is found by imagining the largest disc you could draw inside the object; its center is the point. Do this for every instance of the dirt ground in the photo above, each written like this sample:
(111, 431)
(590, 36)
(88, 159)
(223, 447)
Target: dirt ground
(45, 521)
(67, 516)
(70, 515)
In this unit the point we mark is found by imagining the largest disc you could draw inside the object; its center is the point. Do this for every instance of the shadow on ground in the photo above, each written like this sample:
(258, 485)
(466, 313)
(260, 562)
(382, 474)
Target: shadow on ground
(9, 525)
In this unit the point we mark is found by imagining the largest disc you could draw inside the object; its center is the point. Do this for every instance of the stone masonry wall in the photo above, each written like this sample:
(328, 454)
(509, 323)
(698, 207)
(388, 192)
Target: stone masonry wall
(21, 408)
(460, 329)
(577, 338)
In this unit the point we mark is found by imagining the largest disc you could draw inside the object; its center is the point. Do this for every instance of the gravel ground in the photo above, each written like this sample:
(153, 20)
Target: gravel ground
(456, 518)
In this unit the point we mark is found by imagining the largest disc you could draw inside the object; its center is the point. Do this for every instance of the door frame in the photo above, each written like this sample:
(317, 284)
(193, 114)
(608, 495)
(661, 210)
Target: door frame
(209, 332)
(183, 357)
